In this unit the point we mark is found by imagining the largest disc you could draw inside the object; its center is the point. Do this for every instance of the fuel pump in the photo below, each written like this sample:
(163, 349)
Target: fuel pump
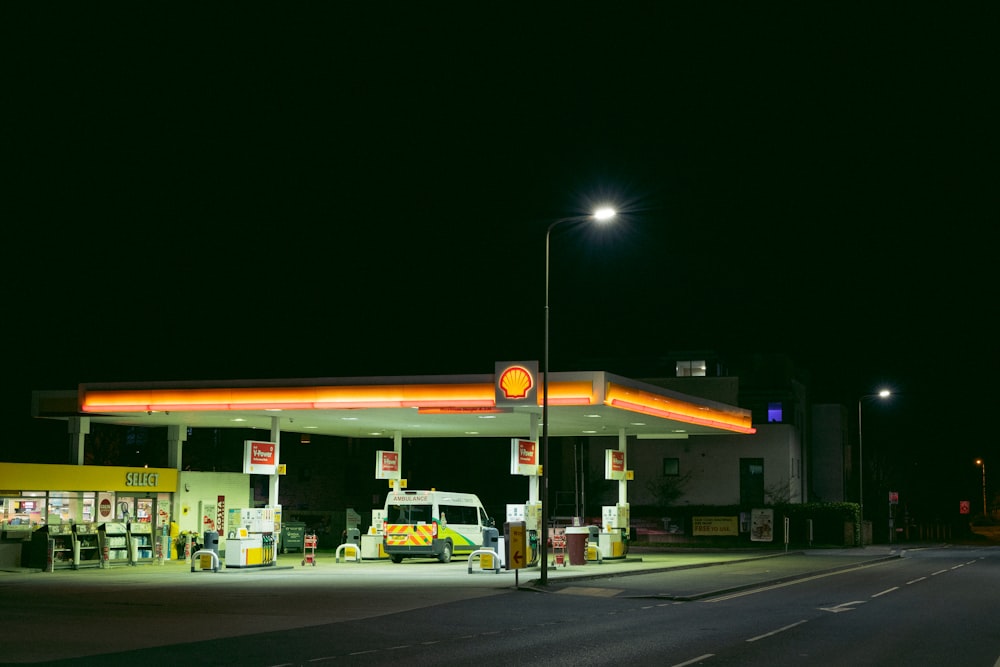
(531, 515)
(613, 539)
(533, 529)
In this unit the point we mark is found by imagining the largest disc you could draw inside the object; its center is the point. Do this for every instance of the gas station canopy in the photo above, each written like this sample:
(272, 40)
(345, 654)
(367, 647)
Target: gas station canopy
(590, 403)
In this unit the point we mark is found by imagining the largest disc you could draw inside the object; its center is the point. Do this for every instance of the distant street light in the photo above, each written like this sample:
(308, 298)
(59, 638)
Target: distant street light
(982, 463)
(884, 393)
(603, 214)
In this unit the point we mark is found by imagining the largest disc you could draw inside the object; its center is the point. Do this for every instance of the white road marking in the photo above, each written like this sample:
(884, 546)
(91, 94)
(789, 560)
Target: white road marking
(774, 632)
(844, 606)
(694, 661)
(888, 590)
(913, 581)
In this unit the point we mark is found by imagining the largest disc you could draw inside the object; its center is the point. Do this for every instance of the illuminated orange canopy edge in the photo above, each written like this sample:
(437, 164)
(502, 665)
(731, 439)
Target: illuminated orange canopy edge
(667, 407)
(322, 397)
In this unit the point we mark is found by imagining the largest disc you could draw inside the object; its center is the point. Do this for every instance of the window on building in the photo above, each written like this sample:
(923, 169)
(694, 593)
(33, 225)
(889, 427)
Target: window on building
(691, 369)
(671, 467)
(774, 412)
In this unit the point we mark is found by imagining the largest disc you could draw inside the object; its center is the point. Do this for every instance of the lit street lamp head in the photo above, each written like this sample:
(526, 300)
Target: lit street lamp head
(604, 214)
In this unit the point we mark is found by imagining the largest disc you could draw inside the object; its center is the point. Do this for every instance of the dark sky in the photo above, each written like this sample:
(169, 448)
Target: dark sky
(219, 193)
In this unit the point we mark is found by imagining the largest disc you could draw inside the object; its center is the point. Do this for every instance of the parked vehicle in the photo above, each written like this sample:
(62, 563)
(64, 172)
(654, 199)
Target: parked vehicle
(433, 524)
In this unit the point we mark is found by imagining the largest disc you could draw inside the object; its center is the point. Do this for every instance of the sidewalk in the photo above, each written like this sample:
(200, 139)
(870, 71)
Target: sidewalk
(642, 560)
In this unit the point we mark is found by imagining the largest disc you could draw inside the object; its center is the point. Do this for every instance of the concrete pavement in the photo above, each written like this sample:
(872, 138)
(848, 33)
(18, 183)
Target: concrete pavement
(640, 560)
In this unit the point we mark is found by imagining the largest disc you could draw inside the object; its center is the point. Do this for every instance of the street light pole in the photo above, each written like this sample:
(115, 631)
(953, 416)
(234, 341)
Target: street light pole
(600, 215)
(884, 393)
(982, 463)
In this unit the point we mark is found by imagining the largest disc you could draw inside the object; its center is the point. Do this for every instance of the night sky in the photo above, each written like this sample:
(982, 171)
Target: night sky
(220, 193)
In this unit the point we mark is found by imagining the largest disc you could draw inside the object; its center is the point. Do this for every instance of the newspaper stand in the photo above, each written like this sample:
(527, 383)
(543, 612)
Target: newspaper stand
(558, 542)
(309, 549)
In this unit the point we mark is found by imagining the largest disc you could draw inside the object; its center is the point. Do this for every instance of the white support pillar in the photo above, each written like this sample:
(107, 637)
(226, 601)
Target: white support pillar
(272, 488)
(397, 446)
(623, 483)
(176, 436)
(78, 428)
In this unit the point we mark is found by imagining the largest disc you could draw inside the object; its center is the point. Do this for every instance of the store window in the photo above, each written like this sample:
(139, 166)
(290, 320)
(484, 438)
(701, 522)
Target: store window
(144, 510)
(23, 511)
(691, 368)
(671, 467)
(70, 507)
(774, 412)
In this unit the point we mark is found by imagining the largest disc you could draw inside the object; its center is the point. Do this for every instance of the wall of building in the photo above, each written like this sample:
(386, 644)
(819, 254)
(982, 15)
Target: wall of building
(713, 463)
(829, 460)
(196, 503)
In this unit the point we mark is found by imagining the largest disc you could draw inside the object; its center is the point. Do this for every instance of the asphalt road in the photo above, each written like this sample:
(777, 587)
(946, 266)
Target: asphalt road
(106, 616)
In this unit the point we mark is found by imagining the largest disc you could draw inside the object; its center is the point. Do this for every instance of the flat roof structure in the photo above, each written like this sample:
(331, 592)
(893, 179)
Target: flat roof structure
(580, 404)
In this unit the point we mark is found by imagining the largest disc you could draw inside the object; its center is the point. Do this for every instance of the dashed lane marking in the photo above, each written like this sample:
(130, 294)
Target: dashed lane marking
(888, 590)
(774, 632)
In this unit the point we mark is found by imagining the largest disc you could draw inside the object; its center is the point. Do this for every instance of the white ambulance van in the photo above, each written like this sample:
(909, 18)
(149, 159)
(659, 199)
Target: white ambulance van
(433, 524)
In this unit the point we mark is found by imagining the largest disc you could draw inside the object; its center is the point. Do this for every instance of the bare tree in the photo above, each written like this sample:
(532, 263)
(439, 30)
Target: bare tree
(668, 489)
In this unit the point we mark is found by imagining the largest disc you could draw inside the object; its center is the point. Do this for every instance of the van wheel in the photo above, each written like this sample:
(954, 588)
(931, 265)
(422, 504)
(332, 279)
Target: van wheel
(396, 559)
(445, 556)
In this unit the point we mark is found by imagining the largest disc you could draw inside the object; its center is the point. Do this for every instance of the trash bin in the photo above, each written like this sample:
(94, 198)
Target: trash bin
(491, 539)
(293, 534)
(211, 541)
(353, 536)
(576, 544)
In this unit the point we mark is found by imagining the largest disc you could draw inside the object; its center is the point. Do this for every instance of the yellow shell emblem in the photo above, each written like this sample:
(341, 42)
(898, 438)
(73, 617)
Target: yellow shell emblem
(515, 382)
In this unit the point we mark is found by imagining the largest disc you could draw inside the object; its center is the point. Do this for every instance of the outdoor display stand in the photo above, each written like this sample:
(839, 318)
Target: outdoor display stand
(52, 547)
(141, 542)
(558, 542)
(114, 544)
(309, 550)
(86, 546)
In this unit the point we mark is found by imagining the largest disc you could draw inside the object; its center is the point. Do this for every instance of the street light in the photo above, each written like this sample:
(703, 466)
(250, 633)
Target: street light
(884, 393)
(602, 215)
(982, 463)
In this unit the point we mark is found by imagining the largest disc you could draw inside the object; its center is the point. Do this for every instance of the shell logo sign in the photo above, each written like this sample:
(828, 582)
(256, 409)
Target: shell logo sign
(516, 383)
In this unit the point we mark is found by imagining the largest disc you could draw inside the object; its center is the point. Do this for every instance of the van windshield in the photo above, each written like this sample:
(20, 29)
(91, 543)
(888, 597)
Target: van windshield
(412, 514)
